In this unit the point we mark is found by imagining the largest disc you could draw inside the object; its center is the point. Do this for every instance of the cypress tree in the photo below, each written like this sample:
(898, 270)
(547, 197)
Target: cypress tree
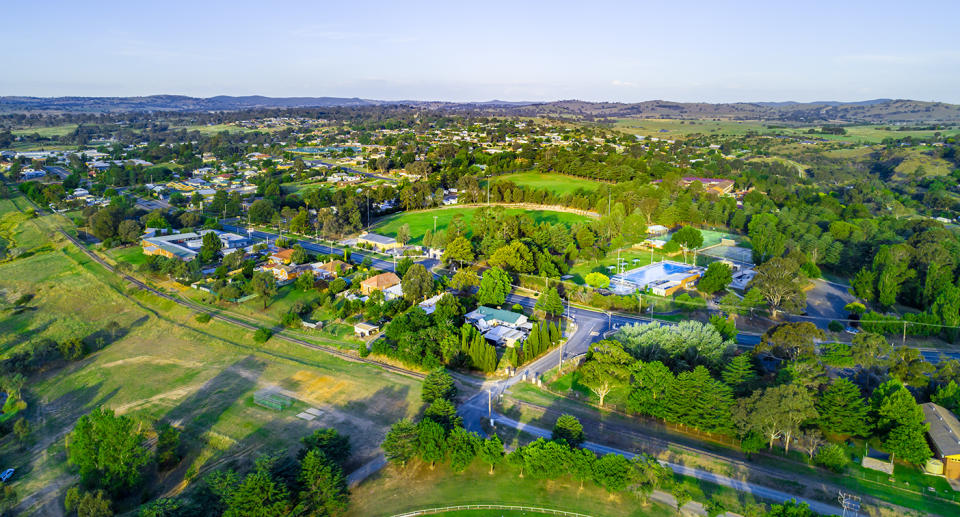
(554, 333)
(544, 338)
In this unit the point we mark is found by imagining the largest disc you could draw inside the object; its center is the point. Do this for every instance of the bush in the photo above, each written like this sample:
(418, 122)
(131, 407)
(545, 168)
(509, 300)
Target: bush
(811, 270)
(835, 326)
(362, 350)
(832, 456)
(262, 335)
(202, 317)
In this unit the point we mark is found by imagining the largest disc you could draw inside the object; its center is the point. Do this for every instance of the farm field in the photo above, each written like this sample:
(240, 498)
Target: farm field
(421, 221)
(394, 491)
(557, 183)
(155, 362)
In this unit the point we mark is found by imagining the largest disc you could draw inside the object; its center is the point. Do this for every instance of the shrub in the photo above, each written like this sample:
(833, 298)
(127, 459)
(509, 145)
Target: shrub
(202, 317)
(811, 270)
(832, 456)
(362, 350)
(835, 326)
(262, 335)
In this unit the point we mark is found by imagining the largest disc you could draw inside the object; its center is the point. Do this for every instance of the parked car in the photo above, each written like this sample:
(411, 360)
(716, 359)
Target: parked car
(7, 474)
(851, 330)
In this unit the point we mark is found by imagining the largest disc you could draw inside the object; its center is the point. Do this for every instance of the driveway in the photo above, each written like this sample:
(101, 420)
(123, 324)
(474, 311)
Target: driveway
(826, 301)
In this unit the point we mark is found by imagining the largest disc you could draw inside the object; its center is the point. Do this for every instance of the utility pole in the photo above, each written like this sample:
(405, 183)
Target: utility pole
(489, 405)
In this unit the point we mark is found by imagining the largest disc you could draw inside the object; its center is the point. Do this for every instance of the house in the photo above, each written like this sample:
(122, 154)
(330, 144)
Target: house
(29, 174)
(430, 304)
(944, 436)
(393, 292)
(380, 282)
(378, 242)
(331, 269)
(505, 336)
(282, 256)
(364, 329)
(485, 318)
(284, 272)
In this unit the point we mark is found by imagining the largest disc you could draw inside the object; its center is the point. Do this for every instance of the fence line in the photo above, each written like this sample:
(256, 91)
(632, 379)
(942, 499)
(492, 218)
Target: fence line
(429, 511)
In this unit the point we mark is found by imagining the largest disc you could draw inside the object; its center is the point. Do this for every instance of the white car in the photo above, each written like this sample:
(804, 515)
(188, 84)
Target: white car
(7, 474)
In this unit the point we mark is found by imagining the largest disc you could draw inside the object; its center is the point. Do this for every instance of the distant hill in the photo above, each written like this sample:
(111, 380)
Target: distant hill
(876, 111)
(169, 103)
(873, 111)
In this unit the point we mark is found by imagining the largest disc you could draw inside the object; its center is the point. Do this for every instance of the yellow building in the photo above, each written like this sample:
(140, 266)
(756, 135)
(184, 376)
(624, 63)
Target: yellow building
(944, 436)
(379, 242)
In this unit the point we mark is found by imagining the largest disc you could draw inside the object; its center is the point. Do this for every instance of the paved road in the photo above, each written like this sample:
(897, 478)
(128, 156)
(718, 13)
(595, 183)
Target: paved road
(762, 492)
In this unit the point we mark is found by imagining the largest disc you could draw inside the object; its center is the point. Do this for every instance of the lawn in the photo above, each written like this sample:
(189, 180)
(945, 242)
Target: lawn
(394, 491)
(423, 220)
(131, 254)
(159, 363)
(556, 183)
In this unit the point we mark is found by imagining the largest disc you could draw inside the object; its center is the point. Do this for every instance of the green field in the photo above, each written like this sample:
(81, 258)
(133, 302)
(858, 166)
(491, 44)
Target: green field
(159, 363)
(421, 221)
(556, 183)
(48, 132)
(672, 128)
(394, 491)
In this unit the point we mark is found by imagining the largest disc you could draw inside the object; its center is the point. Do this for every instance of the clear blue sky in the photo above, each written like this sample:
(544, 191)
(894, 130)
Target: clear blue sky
(714, 51)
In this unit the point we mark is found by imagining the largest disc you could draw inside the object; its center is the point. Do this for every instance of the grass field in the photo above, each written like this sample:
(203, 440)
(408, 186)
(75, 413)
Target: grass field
(556, 183)
(160, 363)
(421, 221)
(395, 491)
(671, 128)
(217, 128)
(50, 131)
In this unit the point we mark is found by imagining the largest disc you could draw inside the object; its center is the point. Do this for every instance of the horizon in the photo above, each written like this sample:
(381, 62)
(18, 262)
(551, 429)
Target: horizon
(516, 52)
(448, 101)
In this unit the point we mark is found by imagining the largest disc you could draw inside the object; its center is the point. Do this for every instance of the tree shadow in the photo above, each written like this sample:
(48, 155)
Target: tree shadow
(197, 413)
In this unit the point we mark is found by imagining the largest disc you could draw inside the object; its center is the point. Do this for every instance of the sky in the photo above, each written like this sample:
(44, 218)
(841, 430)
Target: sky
(629, 51)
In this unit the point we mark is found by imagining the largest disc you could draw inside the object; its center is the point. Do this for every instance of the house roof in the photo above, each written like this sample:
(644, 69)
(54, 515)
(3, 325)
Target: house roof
(284, 254)
(944, 429)
(382, 281)
(501, 334)
(489, 313)
(377, 238)
(334, 266)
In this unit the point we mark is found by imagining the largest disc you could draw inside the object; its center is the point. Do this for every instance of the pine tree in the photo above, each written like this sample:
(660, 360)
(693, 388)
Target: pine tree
(842, 409)
(738, 371)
